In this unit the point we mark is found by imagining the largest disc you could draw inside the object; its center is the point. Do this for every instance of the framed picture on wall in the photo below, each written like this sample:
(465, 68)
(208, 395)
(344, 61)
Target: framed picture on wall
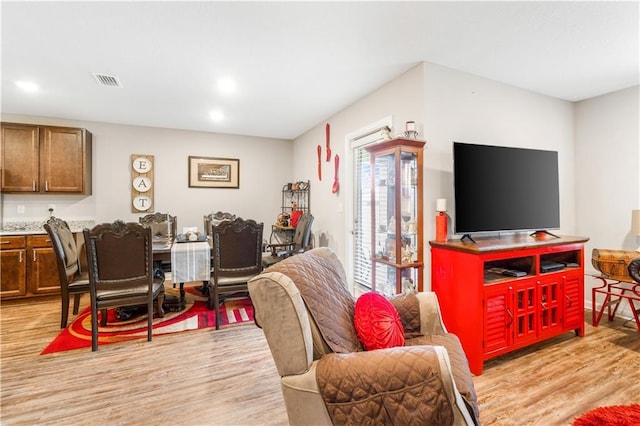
(209, 172)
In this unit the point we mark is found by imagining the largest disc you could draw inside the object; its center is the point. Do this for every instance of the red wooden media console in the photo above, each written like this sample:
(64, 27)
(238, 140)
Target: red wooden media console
(501, 294)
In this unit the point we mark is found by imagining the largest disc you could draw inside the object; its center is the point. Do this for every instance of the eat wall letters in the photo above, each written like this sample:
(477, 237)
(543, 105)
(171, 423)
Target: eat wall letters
(142, 183)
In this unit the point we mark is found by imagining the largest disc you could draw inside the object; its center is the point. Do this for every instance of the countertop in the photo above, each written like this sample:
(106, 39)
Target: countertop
(37, 227)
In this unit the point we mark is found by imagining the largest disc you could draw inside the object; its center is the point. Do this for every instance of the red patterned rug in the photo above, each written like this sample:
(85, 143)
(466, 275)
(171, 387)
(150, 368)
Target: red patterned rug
(615, 415)
(196, 316)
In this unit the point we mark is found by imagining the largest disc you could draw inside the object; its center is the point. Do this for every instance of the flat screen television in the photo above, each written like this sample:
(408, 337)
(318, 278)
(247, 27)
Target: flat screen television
(499, 188)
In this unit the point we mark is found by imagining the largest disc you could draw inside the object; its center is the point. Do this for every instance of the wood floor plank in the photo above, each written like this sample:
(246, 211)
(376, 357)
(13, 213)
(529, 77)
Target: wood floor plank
(228, 377)
(553, 382)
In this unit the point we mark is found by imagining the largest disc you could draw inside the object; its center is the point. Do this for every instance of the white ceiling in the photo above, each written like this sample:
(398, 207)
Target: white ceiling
(296, 63)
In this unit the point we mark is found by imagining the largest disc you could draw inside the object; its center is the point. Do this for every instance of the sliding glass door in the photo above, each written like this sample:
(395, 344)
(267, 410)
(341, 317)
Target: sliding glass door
(361, 244)
(362, 220)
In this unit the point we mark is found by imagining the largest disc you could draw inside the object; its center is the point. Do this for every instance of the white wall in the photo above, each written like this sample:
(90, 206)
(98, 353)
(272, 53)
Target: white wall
(402, 99)
(447, 106)
(265, 165)
(466, 108)
(607, 168)
(607, 158)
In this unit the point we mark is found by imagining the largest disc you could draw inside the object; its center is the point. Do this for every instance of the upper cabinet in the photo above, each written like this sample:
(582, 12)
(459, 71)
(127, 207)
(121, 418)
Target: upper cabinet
(45, 159)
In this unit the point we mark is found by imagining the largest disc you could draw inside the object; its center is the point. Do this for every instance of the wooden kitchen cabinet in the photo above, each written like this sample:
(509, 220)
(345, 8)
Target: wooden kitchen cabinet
(42, 273)
(13, 263)
(28, 267)
(45, 159)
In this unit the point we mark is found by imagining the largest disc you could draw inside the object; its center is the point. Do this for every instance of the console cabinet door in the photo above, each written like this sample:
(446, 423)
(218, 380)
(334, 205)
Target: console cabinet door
(573, 310)
(550, 306)
(498, 317)
(19, 154)
(525, 312)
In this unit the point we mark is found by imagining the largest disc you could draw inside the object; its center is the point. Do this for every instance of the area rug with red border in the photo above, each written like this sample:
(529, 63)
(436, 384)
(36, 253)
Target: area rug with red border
(196, 315)
(614, 415)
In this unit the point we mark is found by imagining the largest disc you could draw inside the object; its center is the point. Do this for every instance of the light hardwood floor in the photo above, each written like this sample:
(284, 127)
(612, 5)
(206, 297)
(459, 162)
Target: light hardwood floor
(227, 377)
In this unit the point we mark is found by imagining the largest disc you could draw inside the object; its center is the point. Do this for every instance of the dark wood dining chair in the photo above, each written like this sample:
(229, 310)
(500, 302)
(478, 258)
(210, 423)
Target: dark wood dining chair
(120, 261)
(164, 227)
(236, 258)
(164, 230)
(300, 243)
(73, 281)
(210, 220)
(215, 218)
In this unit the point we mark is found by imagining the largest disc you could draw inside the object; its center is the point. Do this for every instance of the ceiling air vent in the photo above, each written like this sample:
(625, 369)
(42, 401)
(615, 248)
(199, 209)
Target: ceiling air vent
(107, 80)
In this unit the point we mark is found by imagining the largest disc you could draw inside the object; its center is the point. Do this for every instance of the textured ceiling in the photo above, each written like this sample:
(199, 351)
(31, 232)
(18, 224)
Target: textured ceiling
(296, 63)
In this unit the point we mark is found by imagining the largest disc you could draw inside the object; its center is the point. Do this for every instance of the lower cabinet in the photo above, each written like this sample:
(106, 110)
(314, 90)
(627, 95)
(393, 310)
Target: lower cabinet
(493, 312)
(28, 266)
(13, 264)
(42, 268)
(517, 314)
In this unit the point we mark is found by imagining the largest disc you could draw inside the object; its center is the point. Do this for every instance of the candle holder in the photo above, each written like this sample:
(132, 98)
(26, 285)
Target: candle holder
(441, 220)
(410, 130)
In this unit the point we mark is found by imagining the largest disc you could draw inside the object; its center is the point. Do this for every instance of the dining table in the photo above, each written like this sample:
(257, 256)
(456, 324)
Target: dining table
(190, 262)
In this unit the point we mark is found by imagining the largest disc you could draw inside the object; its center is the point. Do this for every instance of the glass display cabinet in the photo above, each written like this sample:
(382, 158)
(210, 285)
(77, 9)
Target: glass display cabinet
(396, 216)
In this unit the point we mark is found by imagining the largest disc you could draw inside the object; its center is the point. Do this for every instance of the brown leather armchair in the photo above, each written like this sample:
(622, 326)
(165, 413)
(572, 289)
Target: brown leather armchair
(306, 312)
(73, 281)
(120, 261)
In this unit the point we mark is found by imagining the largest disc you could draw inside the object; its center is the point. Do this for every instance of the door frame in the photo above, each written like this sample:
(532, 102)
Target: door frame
(366, 135)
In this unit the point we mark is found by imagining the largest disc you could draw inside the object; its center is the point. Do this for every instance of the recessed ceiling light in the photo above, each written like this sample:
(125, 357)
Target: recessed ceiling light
(226, 86)
(216, 115)
(27, 86)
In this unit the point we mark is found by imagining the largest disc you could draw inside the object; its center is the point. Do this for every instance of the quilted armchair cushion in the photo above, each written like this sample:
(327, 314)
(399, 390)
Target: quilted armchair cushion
(408, 308)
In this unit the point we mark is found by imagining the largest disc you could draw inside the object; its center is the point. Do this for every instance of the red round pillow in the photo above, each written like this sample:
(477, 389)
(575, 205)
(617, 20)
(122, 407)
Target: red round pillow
(377, 322)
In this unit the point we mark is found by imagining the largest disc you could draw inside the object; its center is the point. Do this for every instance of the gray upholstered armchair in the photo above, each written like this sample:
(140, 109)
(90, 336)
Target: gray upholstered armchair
(306, 312)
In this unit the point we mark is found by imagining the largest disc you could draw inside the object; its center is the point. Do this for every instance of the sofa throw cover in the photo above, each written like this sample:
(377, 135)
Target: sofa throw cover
(459, 366)
(396, 386)
(331, 306)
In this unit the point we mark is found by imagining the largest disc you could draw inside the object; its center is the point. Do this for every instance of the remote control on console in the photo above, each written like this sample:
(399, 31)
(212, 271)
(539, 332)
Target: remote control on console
(508, 272)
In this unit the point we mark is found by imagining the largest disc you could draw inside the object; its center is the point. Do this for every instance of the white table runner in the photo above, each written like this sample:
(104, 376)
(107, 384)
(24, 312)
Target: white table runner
(190, 262)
